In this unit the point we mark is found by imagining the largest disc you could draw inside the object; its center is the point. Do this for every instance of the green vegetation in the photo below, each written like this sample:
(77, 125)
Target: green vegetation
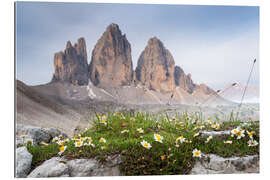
(166, 156)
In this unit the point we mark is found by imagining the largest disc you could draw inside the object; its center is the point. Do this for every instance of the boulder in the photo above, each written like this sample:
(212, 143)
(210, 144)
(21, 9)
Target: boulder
(55, 167)
(23, 162)
(214, 164)
(82, 167)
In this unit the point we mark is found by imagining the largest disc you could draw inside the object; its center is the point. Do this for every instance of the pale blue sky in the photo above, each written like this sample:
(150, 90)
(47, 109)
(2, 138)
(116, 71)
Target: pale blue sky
(216, 44)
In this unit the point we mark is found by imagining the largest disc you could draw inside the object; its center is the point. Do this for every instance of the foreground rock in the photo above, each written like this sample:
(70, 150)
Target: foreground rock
(54, 167)
(23, 162)
(35, 134)
(213, 164)
(60, 167)
(215, 134)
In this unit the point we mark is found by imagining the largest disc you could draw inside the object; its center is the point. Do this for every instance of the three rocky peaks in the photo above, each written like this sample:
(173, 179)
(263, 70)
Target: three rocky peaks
(111, 65)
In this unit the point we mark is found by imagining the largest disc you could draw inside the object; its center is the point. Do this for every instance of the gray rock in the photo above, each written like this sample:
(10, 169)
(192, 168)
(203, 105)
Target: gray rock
(23, 162)
(36, 134)
(82, 167)
(213, 164)
(215, 133)
(51, 168)
(107, 171)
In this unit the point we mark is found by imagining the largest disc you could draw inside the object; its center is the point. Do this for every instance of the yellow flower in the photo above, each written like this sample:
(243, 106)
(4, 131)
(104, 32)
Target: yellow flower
(181, 139)
(43, 143)
(213, 126)
(61, 149)
(78, 143)
(158, 138)
(196, 134)
(102, 147)
(124, 131)
(228, 142)
(201, 127)
(140, 130)
(208, 139)
(196, 153)
(146, 144)
(103, 121)
(250, 134)
(163, 157)
(102, 140)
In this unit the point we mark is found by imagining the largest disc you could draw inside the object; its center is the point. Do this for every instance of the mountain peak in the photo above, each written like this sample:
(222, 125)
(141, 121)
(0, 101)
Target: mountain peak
(155, 67)
(71, 65)
(111, 63)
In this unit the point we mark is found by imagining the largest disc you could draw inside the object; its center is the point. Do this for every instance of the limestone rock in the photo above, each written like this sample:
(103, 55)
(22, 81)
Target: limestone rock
(23, 162)
(155, 68)
(51, 168)
(111, 63)
(35, 134)
(82, 167)
(184, 81)
(71, 65)
(213, 164)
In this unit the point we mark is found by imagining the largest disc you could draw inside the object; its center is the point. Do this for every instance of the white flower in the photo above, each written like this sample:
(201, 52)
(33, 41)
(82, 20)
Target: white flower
(61, 143)
(250, 134)
(228, 142)
(102, 140)
(181, 139)
(196, 153)
(196, 134)
(146, 144)
(124, 131)
(140, 130)
(158, 138)
(78, 143)
(208, 139)
(240, 134)
(252, 142)
(201, 127)
(62, 149)
(55, 139)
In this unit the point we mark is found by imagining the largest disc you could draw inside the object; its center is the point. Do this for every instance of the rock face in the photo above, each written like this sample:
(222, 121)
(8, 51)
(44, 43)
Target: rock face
(182, 80)
(23, 162)
(155, 68)
(213, 164)
(111, 63)
(71, 65)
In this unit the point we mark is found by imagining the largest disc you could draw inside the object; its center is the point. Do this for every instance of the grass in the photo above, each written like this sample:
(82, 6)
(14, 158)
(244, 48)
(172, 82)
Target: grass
(161, 158)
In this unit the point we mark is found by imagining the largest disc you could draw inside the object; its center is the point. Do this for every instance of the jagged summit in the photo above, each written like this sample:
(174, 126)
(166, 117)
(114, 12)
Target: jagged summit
(111, 63)
(156, 67)
(71, 65)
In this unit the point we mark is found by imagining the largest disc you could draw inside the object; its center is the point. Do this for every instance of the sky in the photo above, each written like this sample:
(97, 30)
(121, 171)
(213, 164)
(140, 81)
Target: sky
(215, 44)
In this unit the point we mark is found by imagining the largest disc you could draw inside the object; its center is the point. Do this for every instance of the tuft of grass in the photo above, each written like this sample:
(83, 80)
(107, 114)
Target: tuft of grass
(162, 158)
